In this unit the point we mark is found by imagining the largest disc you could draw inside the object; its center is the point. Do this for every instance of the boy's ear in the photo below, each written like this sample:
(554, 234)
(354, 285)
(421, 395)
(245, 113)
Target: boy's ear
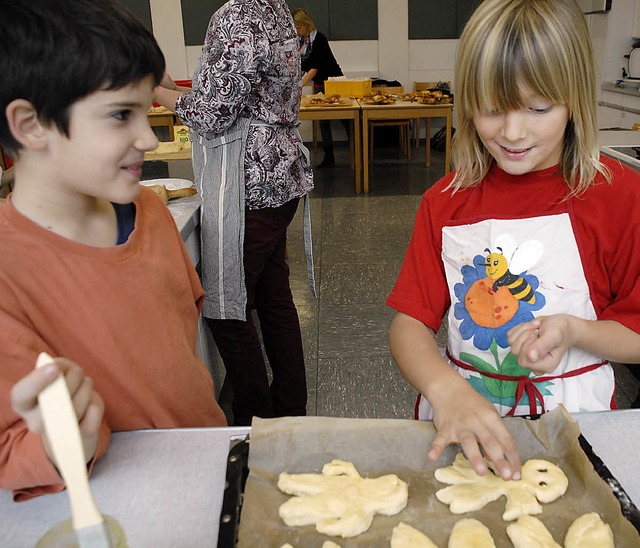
(25, 125)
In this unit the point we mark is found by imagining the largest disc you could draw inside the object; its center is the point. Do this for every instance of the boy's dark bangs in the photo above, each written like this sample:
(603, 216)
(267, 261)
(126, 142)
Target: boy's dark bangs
(121, 55)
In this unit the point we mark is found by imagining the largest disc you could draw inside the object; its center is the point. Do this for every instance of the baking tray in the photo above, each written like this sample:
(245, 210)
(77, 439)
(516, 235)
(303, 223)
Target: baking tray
(235, 480)
(238, 471)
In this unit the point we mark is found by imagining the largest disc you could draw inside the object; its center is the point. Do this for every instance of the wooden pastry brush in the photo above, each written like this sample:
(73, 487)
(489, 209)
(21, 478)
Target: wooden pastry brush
(61, 426)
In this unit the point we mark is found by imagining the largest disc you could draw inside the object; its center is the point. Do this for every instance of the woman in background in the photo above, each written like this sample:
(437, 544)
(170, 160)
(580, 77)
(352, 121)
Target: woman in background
(318, 64)
(251, 168)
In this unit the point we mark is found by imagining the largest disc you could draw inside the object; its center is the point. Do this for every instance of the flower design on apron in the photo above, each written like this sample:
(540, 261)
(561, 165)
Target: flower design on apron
(495, 295)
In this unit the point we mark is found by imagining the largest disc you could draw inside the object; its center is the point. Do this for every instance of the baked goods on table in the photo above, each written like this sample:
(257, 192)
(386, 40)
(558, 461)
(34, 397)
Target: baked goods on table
(158, 110)
(325, 100)
(378, 98)
(428, 97)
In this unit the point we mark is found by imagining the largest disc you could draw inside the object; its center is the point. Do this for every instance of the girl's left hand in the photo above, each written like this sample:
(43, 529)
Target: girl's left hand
(539, 345)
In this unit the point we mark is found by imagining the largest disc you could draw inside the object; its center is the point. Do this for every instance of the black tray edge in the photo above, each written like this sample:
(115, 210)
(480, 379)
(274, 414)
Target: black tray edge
(235, 480)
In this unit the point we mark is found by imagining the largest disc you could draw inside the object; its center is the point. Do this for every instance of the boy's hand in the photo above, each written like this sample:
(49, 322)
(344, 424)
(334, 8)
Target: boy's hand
(467, 418)
(88, 404)
(539, 345)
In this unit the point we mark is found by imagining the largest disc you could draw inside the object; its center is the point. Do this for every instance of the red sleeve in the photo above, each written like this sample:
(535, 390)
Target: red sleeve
(421, 289)
(610, 246)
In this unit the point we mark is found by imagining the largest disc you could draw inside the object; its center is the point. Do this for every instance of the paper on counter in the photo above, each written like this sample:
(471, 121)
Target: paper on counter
(379, 446)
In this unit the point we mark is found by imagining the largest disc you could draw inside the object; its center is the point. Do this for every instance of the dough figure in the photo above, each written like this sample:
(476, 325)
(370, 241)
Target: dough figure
(325, 544)
(530, 532)
(405, 536)
(470, 533)
(589, 531)
(339, 501)
(541, 481)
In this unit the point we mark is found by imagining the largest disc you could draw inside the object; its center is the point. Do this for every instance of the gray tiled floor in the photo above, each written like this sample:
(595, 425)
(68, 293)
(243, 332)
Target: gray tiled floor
(359, 243)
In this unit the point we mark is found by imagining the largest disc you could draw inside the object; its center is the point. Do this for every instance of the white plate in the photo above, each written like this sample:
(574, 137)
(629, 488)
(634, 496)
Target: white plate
(170, 184)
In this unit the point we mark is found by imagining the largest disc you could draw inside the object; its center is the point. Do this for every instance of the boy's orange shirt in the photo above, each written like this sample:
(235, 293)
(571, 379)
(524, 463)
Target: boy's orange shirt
(126, 314)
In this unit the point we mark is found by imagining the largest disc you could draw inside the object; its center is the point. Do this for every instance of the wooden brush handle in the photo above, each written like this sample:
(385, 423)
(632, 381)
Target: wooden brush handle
(61, 426)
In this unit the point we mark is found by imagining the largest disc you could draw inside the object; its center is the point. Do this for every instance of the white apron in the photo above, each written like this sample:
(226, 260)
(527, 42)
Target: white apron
(502, 273)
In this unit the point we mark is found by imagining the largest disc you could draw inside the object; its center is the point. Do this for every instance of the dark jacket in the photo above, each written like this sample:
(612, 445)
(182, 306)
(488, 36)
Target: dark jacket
(322, 59)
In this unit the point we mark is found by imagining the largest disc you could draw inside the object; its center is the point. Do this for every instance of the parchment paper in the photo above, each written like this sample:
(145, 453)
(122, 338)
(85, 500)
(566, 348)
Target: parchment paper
(379, 446)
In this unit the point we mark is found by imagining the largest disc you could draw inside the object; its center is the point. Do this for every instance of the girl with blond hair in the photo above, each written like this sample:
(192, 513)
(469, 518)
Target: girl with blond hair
(528, 247)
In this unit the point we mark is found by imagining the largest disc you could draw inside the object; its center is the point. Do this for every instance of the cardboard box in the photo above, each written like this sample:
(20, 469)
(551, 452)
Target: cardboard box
(348, 87)
(181, 134)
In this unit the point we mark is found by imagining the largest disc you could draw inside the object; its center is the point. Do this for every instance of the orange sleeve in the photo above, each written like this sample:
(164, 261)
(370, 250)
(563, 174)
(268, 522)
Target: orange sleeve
(30, 473)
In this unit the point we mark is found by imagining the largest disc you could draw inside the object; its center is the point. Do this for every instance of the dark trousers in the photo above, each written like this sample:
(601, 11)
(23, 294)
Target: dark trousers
(269, 293)
(327, 136)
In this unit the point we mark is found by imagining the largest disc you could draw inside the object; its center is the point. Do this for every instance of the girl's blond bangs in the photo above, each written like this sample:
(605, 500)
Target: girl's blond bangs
(545, 45)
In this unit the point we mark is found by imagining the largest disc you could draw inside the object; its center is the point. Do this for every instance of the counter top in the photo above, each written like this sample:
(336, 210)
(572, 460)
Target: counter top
(626, 89)
(615, 137)
(186, 214)
(165, 486)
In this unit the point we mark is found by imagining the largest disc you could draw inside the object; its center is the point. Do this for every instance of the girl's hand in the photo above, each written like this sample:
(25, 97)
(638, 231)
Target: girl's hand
(467, 418)
(87, 403)
(539, 345)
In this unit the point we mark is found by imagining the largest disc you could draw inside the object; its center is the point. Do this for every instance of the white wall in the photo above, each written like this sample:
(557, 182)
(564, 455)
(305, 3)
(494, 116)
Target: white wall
(166, 18)
(611, 35)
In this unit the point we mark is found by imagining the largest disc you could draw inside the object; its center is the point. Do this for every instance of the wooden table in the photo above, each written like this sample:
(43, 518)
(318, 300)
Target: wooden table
(403, 110)
(183, 154)
(348, 109)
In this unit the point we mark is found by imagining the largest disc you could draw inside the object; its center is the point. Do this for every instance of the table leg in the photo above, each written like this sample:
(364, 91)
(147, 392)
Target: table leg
(351, 144)
(314, 125)
(365, 149)
(358, 150)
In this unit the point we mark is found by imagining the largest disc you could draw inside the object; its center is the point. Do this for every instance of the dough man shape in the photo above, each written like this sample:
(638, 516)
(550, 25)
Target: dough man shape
(541, 481)
(339, 501)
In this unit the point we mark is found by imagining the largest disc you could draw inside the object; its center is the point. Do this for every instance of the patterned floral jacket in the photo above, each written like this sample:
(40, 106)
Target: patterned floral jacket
(250, 67)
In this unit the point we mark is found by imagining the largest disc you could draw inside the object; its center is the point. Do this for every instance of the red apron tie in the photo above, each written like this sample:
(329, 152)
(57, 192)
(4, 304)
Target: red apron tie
(527, 384)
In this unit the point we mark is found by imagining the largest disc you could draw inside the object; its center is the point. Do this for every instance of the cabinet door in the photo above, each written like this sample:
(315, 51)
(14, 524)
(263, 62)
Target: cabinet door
(628, 120)
(609, 117)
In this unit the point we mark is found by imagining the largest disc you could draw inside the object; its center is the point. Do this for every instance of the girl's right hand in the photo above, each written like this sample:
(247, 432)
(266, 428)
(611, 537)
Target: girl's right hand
(472, 421)
(87, 403)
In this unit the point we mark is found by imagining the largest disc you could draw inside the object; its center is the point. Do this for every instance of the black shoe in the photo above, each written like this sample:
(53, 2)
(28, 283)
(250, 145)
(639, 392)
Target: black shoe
(327, 162)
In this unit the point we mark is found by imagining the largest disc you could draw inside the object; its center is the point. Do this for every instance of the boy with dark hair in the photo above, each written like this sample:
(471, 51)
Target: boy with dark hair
(93, 268)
